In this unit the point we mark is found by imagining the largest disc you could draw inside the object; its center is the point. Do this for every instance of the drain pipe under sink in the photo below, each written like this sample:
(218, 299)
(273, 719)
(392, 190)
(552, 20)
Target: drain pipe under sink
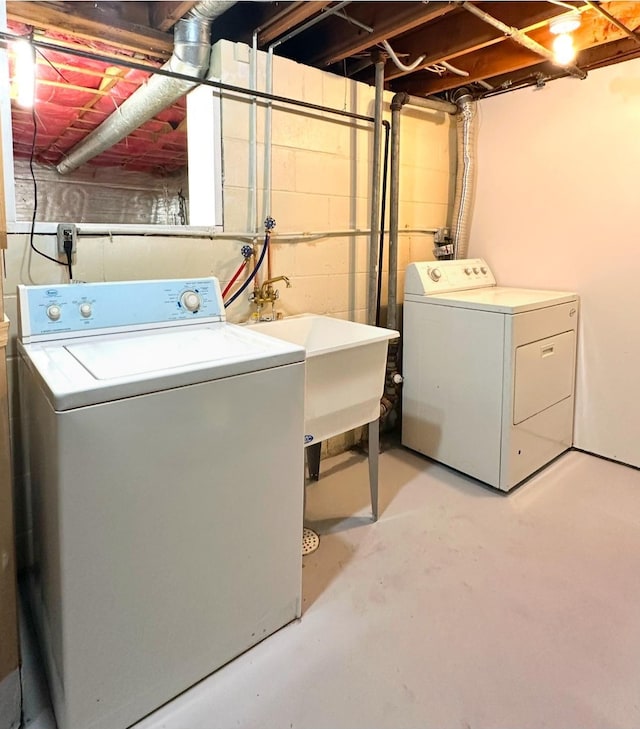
(393, 378)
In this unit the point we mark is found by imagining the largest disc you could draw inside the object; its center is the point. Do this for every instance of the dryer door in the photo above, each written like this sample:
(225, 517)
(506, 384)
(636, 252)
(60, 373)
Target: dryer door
(544, 372)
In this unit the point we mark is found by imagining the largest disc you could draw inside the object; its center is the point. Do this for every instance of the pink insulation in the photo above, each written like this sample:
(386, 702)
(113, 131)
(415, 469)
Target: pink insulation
(70, 104)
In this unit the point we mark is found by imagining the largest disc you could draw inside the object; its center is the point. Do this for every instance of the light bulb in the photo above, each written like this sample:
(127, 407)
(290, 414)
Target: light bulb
(24, 73)
(563, 49)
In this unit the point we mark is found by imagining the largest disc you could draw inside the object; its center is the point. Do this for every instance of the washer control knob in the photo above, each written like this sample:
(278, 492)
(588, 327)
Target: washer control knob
(475, 269)
(435, 274)
(85, 310)
(191, 301)
(54, 312)
(483, 269)
(467, 270)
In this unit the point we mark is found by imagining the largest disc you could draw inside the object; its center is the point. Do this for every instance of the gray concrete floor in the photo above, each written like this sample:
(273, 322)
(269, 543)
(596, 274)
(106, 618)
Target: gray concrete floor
(461, 607)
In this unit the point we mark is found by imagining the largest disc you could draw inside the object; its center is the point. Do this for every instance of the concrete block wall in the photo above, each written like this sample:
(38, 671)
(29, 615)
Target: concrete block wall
(321, 173)
(321, 179)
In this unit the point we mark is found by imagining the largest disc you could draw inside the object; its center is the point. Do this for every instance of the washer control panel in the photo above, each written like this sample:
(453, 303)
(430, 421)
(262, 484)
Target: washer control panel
(426, 278)
(73, 309)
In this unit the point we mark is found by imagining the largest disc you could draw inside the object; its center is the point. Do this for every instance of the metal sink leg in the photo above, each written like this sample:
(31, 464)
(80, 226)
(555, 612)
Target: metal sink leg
(374, 446)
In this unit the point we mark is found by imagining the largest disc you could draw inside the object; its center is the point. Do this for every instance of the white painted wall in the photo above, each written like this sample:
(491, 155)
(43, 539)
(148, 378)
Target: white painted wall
(321, 181)
(557, 207)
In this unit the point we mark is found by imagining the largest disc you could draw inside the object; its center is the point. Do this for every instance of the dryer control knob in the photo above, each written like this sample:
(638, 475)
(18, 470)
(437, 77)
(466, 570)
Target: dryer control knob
(191, 301)
(483, 269)
(467, 270)
(435, 274)
(85, 310)
(54, 312)
(475, 269)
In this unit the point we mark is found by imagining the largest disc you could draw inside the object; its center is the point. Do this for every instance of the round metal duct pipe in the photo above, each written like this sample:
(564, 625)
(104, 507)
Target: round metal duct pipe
(465, 172)
(191, 54)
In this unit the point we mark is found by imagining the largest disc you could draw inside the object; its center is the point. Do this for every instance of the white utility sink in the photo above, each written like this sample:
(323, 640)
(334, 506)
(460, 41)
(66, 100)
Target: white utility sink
(345, 370)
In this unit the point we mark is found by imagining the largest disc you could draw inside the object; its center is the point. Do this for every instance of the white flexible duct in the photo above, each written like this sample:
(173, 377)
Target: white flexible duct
(191, 54)
(465, 175)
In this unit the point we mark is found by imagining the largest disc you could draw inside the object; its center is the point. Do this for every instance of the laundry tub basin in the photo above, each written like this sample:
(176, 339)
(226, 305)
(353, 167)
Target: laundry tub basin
(345, 370)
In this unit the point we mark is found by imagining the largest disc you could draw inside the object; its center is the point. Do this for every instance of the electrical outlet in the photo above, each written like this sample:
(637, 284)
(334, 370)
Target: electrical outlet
(66, 232)
(441, 236)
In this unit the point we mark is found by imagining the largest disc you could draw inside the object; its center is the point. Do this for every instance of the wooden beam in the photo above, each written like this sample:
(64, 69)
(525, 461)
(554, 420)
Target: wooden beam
(388, 19)
(95, 24)
(293, 15)
(508, 56)
(455, 34)
(589, 59)
(480, 65)
(165, 15)
(606, 54)
(112, 75)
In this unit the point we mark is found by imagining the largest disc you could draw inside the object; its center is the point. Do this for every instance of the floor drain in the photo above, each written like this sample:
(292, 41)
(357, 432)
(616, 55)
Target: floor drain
(310, 541)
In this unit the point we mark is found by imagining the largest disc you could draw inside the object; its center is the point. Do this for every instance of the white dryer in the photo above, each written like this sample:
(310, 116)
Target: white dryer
(489, 371)
(165, 456)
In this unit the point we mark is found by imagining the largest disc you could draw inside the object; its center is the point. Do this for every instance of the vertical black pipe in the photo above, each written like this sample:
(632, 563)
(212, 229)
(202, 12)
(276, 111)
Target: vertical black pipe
(375, 187)
(383, 212)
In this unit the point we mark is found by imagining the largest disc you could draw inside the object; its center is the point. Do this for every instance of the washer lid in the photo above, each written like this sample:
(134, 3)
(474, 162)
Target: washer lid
(83, 371)
(503, 299)
(107, 359)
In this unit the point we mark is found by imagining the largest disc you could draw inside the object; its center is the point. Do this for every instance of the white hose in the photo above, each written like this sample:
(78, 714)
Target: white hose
(398, 62)
(453, 69)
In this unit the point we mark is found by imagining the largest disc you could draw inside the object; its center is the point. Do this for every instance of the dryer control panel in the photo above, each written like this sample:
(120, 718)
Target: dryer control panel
(441, 277)
(72, 310)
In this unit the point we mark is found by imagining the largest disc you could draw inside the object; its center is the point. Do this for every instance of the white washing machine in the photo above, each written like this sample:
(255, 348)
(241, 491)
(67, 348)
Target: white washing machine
(166, 469)
(489, 371)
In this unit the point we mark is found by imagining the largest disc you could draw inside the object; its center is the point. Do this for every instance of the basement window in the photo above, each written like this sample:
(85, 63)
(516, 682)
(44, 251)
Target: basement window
(166, 176)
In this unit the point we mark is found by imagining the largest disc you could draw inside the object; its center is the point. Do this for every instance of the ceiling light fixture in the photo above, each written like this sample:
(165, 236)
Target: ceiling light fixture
(562, 27)
(24, 76)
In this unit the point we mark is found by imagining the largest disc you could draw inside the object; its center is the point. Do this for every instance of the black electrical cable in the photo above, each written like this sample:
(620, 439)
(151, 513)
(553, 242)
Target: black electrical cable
(35, 193)
(68, 251)
(57, 70)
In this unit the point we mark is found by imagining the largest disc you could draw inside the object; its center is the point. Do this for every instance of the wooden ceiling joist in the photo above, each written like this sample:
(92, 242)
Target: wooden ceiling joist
(507, 56)
(452, 35)
(589, 60)
(93, 24)
(288, 18)
(388, 20)
(165, 15)
(480, 65)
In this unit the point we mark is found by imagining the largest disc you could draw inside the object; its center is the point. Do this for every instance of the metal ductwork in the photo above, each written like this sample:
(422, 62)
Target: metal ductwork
(465, 173)
(191, 55)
